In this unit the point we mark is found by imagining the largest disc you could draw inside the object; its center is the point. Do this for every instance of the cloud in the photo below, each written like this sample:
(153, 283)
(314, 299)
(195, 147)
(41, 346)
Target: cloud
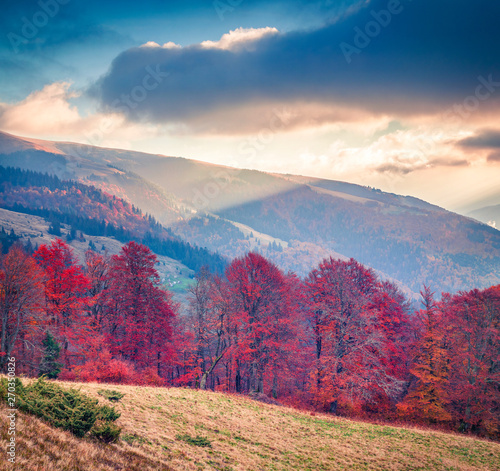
(42, 111)
(429, 56)
(252, 118)
(485, 139)
(240, 39)
(169, 45)
(405, 167)
(447, 162)
(494, 157)
(49, 113)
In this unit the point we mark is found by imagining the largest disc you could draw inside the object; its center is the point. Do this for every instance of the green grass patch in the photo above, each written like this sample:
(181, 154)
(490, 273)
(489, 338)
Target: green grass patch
(132, 439)
(196, 441)
(110, 395)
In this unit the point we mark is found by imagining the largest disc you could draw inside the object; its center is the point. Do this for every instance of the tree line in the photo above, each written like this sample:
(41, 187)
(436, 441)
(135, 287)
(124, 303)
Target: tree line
(341, 340)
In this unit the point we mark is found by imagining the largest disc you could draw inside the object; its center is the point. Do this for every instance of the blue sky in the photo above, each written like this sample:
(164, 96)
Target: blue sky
(397, 94)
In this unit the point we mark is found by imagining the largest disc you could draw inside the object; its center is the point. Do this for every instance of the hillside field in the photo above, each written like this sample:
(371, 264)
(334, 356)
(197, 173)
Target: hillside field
(182, 429)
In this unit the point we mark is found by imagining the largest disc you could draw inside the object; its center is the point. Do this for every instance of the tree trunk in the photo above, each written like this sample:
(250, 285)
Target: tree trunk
(203, 381)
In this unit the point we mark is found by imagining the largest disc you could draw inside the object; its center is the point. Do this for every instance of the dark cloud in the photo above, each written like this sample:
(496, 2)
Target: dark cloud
(68, 39)
(486, 139)
(430, 55)
(402, 167)
(444, 162)
(494, 157)
(395, 169)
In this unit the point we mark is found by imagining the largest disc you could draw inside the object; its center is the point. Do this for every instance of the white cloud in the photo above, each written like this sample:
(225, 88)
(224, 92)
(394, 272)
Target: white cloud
(169, 45)
(241, 38)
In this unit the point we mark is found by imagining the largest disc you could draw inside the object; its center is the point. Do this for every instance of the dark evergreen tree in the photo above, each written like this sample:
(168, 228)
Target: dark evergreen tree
(49, 366)
(55, 228)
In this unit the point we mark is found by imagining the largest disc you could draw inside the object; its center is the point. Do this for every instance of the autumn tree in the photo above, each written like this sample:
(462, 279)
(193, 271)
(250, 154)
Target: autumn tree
(208, 313)
(350, 315)
(21, 302)
(262, 323)
(472, 322)
(427, 398)
(65, 295)
(392, 311)
(138, 312)
(97, 271)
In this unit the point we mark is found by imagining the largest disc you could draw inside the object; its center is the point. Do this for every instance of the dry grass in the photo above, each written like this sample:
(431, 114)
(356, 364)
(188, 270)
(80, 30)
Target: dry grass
(164, 428)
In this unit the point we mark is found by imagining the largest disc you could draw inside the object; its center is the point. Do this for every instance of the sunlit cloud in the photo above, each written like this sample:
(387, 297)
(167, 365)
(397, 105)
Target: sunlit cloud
(239, 39)
(49, 113)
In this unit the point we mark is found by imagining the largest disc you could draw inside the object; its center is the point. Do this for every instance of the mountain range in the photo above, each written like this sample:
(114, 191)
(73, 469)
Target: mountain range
(296, 221)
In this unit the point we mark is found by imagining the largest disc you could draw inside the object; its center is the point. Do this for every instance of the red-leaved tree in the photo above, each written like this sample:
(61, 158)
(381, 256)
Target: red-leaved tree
(138, 313)
(263, 324)
(356, 327)
(472, 322)
(21, 306)
(65, 294)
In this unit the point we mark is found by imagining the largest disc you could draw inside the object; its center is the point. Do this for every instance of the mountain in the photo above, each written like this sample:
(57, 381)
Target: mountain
(294, 220)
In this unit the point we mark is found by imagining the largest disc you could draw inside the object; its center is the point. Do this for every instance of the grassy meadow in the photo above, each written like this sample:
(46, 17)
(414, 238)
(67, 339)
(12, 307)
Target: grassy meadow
(183, 429)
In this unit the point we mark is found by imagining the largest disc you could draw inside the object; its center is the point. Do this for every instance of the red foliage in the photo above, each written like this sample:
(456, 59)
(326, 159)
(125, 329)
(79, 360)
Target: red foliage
(263, 323)
(21, 307)
(427, 399)
(358, 329)
(138, 313)
(65, 289)
(341, 341)
(472, 322)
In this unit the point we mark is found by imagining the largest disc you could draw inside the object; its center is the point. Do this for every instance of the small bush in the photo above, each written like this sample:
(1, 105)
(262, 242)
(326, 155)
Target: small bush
(107, 414)
(103, 369)
(196, 441)
(106, 432)
(5, 385)
(68, 409)
(113, 396)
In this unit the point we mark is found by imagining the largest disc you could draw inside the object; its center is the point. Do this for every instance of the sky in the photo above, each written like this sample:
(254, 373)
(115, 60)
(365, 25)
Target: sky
(401, 95)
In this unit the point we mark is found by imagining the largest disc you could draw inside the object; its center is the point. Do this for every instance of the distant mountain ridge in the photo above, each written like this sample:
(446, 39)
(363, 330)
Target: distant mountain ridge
(294, 220)
(489, 215)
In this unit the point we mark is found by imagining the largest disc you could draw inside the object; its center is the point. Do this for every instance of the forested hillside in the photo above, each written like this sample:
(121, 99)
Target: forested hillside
(94, 212)
(412, 245)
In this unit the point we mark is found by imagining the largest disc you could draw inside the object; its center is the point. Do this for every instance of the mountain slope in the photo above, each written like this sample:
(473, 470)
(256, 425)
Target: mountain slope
(88, 209)
(489, 215)
(183, 429)
(294, 220)
(80, 163)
